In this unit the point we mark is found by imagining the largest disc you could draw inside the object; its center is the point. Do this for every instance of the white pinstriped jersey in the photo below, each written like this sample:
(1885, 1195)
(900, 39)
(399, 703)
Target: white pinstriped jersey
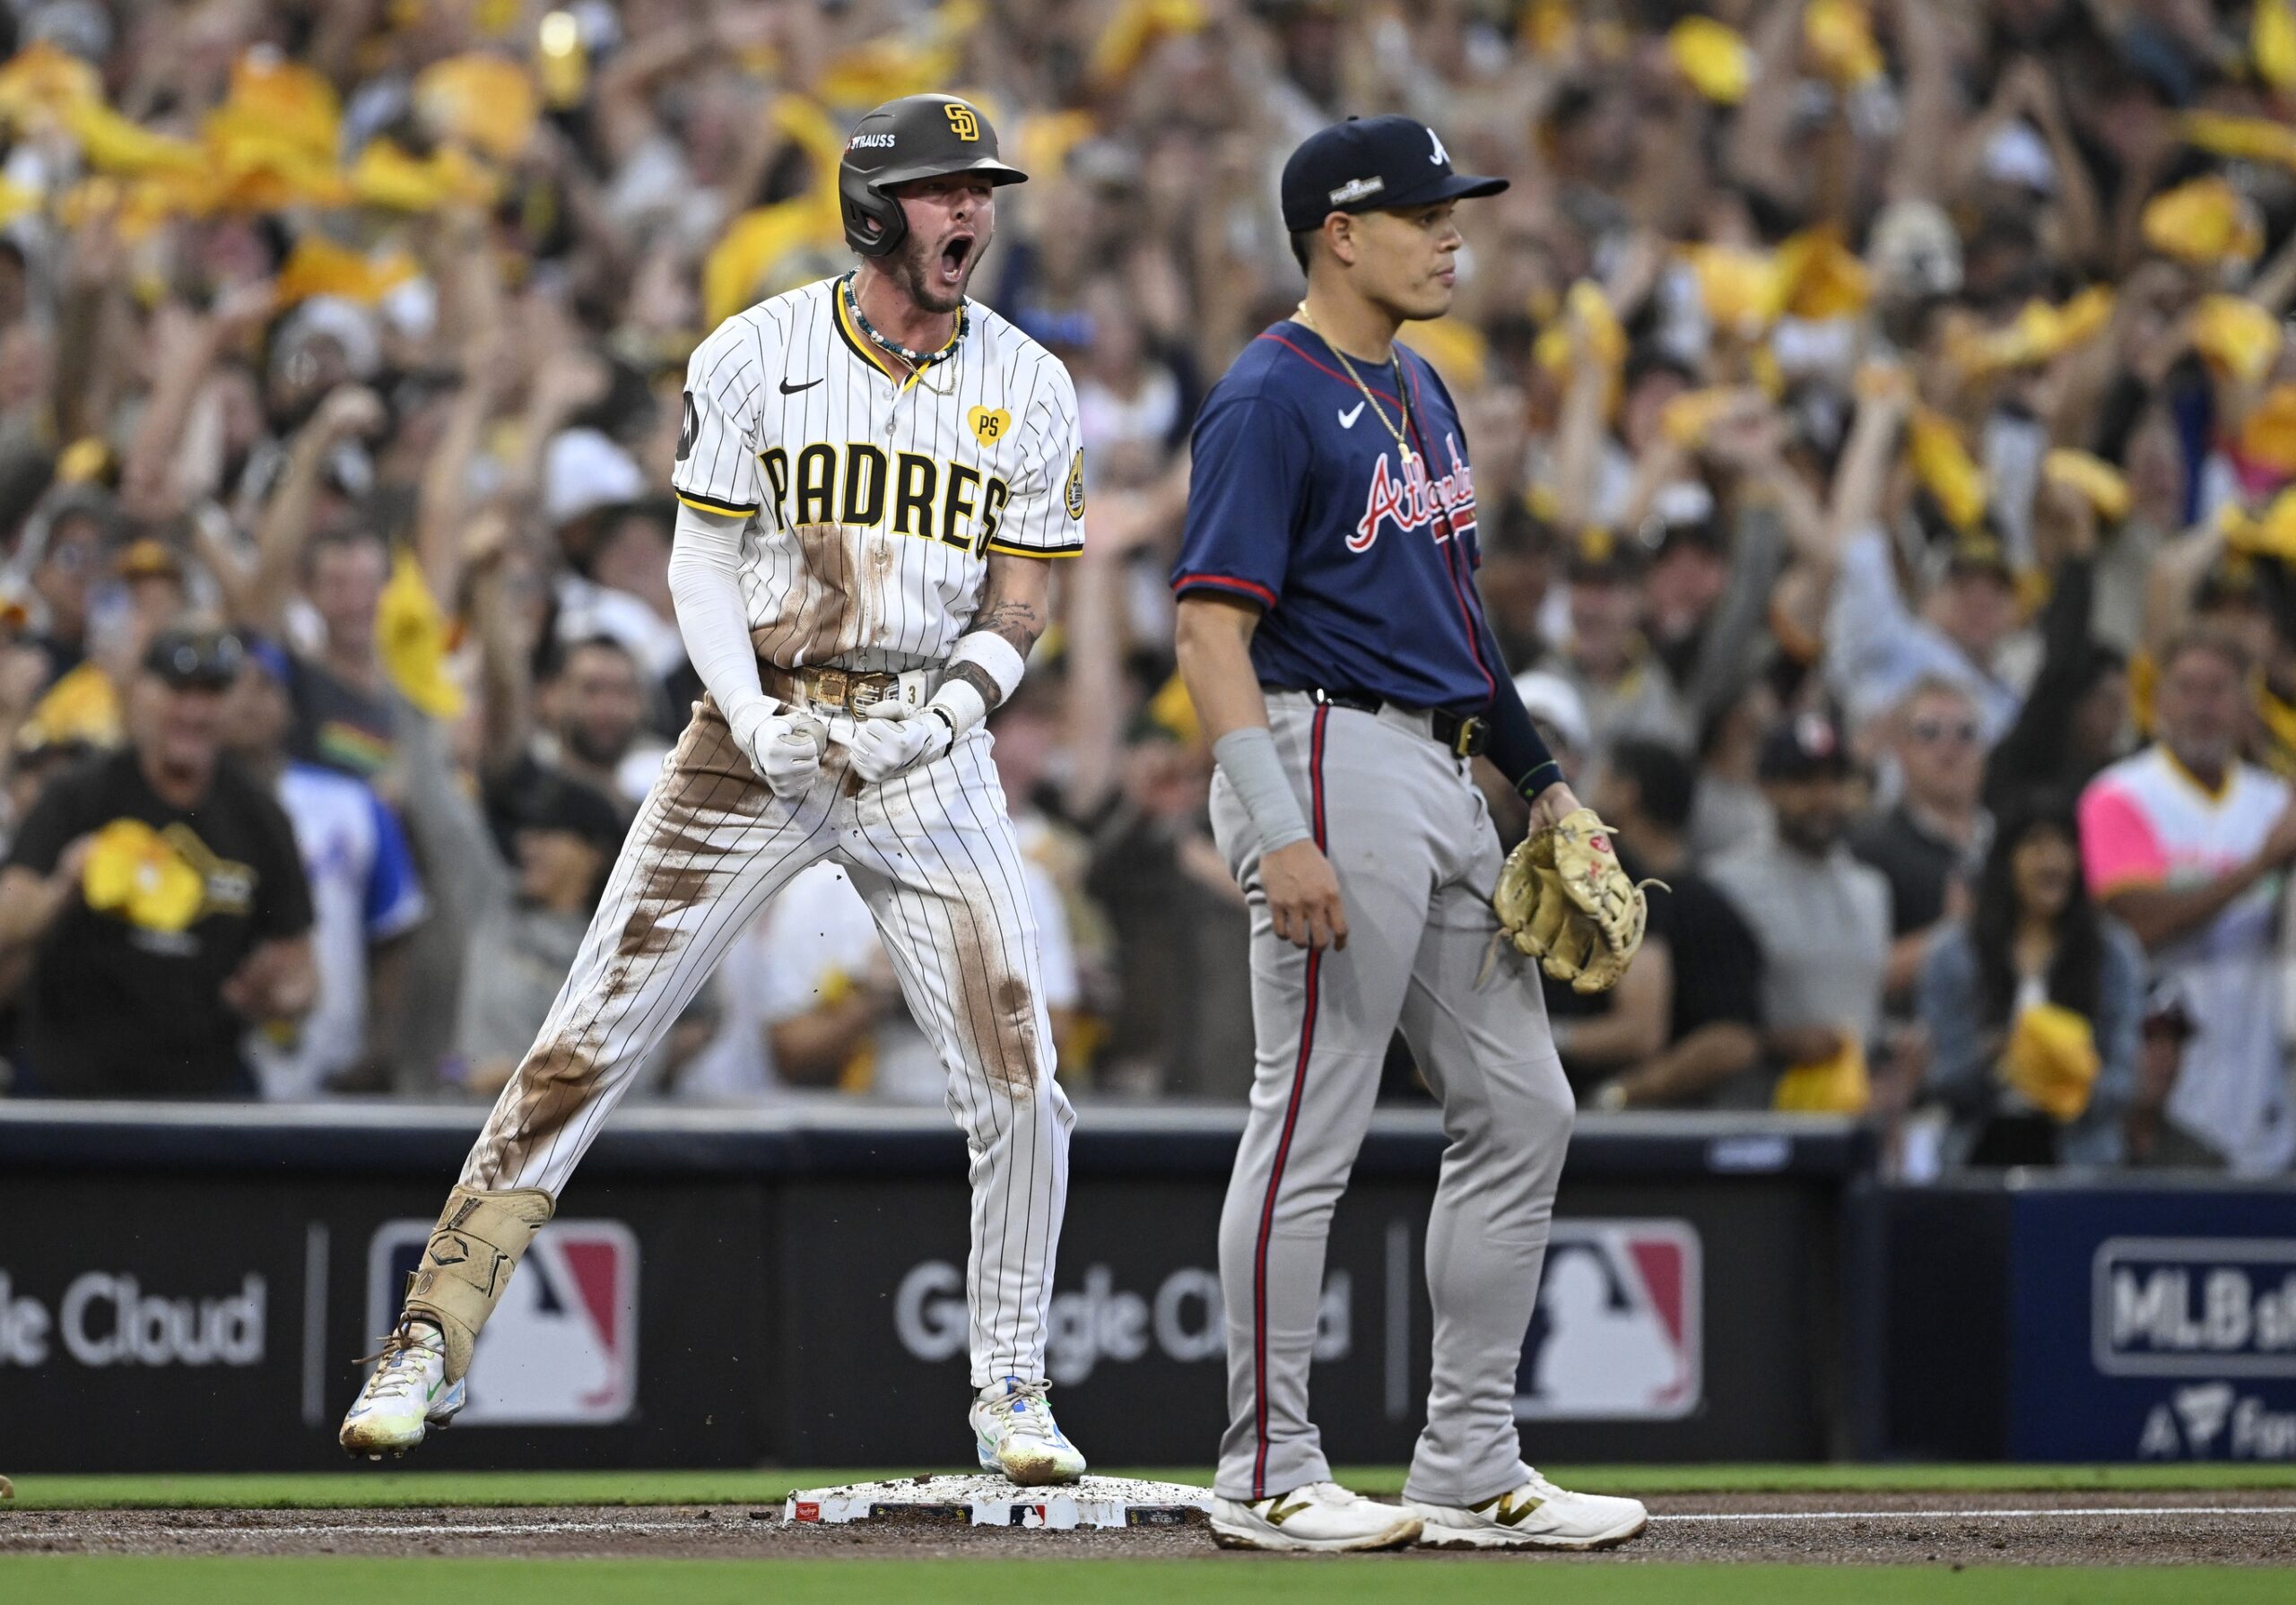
(874, 501)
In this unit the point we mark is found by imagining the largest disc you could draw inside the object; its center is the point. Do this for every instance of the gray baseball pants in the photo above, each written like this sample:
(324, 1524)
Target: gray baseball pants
(1416, 856)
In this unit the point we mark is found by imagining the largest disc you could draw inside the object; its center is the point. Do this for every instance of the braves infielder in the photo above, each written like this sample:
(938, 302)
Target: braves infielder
(1335, 648)
(875, 471)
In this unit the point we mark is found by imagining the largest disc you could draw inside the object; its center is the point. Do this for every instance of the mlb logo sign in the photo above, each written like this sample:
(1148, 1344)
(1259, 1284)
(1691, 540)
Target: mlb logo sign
(1615, 1335)
(561, 1348)
(2194, 1306)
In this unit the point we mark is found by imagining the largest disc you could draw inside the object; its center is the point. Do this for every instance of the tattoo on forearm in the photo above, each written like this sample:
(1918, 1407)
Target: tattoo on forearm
(980, 679)
(1017, 621)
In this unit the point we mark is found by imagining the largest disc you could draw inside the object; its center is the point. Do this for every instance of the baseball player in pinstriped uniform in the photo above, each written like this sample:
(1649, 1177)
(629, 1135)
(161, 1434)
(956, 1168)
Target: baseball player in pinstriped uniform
(874, 473)
(1331, 638)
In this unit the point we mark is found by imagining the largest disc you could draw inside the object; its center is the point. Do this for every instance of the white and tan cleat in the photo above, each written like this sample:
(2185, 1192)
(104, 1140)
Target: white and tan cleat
(1316, 1516)
(1015, 1433)
(1537, 1515)
(407, 1395)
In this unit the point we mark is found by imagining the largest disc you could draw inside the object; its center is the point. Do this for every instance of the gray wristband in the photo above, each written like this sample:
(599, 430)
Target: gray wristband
(1248, 758)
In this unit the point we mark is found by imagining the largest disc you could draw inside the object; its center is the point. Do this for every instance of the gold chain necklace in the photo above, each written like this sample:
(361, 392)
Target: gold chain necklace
(1403, 397)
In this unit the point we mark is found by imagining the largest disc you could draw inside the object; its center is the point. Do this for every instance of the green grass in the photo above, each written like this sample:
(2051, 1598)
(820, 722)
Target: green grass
(138, 1581)
(370, 1487)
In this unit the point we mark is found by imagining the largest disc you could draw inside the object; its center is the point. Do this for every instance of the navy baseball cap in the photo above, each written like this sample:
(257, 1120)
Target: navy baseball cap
(1372, 164)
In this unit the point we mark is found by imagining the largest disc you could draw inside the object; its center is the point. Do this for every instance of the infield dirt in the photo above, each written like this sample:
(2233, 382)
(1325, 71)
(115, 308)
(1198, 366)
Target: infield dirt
(2080, 1529)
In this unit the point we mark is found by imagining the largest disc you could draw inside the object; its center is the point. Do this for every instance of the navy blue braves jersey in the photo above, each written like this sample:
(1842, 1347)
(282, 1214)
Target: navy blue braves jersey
(1363, 563)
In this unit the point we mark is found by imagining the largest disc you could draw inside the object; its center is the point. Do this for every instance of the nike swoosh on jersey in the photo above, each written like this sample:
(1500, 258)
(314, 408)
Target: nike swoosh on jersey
(789, 389)
(1347, 418)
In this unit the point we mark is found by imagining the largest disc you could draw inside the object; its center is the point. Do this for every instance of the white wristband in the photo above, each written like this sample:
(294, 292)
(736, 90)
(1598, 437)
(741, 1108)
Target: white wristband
(997, 656)
(960, 703)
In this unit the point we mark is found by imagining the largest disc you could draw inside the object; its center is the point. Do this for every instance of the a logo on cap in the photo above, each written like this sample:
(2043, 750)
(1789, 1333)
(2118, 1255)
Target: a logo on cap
(1442, 157)
(1355, 189)
(962, 121)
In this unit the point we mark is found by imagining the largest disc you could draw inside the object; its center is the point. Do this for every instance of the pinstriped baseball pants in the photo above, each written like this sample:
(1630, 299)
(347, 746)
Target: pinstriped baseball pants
(932, 854)
(1416, 856)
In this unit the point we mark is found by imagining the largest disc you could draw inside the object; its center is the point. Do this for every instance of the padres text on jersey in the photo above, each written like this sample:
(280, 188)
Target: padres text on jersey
(874, 498)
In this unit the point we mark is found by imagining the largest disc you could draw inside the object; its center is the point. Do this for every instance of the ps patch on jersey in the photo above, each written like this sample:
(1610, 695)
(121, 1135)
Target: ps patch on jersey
(1073, 494)
(989, 424)
(690, 431)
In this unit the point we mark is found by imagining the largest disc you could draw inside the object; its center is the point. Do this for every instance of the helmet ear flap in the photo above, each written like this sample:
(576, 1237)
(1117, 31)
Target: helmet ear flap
(875, 222)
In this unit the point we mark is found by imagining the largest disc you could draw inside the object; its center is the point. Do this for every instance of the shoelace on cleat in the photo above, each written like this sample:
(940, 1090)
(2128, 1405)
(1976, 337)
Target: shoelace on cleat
(398, 1363)
(1035, 1422)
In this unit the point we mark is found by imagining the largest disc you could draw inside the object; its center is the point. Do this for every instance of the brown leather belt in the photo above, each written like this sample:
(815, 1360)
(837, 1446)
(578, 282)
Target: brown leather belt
(850, 689)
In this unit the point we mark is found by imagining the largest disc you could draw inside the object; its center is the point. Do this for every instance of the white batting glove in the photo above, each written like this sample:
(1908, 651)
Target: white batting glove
(893, 736)
(785, 748)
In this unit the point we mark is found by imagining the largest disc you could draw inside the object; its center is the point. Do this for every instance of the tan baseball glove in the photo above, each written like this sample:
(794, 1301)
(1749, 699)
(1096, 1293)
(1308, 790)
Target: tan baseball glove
(1563, 900)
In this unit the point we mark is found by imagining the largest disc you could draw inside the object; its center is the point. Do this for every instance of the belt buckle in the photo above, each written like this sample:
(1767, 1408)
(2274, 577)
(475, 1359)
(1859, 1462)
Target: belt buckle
(1467, 738)
(831, 686)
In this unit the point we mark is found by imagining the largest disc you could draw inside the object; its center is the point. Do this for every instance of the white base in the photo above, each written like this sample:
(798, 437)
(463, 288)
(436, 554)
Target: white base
(986, 1500)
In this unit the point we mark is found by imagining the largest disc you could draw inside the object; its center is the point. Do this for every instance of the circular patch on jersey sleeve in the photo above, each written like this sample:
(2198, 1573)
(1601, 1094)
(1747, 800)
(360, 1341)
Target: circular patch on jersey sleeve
(1072, 497)
(989, 424)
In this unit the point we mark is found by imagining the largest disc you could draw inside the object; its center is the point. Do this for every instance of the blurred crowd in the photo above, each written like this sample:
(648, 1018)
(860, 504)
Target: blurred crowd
(1884, 423)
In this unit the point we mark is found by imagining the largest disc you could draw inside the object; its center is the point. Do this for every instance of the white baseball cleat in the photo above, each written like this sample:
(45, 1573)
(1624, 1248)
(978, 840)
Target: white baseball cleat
(1537, 1515)
(1316, 1516)
(407, 1395)
(1015, 1433)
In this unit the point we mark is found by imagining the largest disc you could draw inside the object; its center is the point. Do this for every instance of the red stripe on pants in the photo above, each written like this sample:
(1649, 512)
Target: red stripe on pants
(1291, 1122)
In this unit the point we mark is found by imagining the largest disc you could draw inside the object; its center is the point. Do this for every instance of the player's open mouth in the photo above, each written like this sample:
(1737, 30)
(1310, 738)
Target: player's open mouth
(954, 256)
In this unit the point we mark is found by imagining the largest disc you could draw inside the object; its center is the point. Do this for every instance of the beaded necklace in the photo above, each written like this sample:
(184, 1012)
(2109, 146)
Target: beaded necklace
(916, 359)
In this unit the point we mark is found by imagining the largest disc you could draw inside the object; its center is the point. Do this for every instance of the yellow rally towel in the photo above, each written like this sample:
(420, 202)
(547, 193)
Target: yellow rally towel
(1686, 419)
(747, 262)
(2104, 486)
(1457, 349)
(2268, 434)
(2237, 336)
(2271, 43)
(1832, 1086)
(319, 267)
(114, 144)
(2051, 1060)
(83, 705)
(387, 175)
(2203, 224)
(40, 82)
(132, 871)
(2039, 334)
(285, 101)
(1824, 277)
(2251, 139)
(1742, 290)
(1944, 468)
(488, 103)
(411, 633)
(2270, 534)
(1838, 34)
(1713, 57)
(1606, 340)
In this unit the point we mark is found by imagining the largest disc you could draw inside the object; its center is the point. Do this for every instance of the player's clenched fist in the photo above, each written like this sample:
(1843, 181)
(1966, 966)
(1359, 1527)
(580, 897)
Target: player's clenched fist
(785, 748)
(893, 735)
(1303, 897)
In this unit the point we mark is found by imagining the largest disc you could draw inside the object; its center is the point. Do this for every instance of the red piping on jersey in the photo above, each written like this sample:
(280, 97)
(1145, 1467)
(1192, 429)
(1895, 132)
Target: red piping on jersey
(1291, 1123)
(1226, 582)
(1451, 569)
(1320, 367)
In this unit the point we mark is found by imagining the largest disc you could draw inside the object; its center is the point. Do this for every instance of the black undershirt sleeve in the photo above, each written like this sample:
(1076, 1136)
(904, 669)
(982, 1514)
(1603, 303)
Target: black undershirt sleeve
(1516, 747)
